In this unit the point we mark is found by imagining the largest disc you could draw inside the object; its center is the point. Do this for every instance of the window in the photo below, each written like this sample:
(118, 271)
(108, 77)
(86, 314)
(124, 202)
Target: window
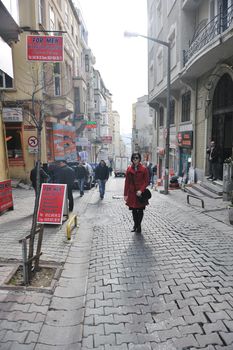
(41, 12)
(172, 112)
(172, 41)
(6, 82)
(14, 143)
(87, 63)
(51, 19)
(57, 79)
(66, 14)
(170, 4)
(160, 66)
(186, 105)
(161, 116)
(159, 17)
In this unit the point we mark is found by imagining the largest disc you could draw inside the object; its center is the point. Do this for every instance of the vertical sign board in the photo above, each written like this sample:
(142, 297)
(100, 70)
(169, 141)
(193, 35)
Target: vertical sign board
(6, 199)
(51, 203)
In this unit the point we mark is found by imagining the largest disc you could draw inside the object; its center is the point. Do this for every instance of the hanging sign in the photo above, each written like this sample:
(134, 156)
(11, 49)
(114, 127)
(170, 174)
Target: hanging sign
(53, 199)
(90, 125)
(185, 139)
(6, 199)
(45, 48)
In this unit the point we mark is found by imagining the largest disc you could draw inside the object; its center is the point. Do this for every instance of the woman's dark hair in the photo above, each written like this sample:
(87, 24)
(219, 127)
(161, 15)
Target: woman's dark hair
(136, 154)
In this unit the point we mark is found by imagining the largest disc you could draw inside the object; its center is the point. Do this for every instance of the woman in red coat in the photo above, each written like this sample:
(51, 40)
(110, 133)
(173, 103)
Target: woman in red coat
(136, 181)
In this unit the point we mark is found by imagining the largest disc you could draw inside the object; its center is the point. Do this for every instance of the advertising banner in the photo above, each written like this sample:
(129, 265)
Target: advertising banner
(45, 48)
(185, 139)
(51, 204)
(64, 138)
(6, 199)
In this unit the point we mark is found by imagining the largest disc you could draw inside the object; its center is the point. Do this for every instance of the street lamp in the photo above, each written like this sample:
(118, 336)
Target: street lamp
(167, 130)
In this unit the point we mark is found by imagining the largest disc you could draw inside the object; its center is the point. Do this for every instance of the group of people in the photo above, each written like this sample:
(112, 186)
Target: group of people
(138, 177)
(61, 173)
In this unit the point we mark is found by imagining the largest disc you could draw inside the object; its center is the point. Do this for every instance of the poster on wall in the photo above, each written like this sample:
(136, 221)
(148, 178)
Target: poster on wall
(64, 138)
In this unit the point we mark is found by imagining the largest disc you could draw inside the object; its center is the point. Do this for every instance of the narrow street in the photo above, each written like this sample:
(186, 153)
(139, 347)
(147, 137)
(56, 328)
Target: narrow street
(169, 288)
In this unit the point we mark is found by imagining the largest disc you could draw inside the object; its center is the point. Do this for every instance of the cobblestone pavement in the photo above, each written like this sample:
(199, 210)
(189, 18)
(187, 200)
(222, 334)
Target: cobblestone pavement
(169, 288)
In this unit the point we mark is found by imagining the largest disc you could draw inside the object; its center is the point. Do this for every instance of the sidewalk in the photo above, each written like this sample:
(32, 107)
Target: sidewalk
(169, 288)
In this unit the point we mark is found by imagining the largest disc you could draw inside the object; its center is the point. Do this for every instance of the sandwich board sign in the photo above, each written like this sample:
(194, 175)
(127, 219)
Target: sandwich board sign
(52, 204)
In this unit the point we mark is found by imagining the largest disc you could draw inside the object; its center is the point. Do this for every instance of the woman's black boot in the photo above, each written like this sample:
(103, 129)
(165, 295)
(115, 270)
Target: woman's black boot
(134, 229)
(138, 229)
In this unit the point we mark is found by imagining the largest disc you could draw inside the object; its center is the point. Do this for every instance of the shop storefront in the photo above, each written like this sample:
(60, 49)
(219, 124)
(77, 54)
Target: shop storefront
(185, 144)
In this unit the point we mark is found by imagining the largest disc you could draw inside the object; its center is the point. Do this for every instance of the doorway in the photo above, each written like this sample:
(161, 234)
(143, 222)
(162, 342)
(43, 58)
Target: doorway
(222, 125)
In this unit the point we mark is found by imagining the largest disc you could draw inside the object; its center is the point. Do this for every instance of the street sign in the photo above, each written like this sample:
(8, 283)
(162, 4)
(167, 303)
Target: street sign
(33, 141)
(52, 203)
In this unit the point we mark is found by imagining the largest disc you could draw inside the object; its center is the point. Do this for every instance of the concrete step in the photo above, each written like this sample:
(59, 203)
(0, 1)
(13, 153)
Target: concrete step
(205, 191)
(213, 187)
(193, 192)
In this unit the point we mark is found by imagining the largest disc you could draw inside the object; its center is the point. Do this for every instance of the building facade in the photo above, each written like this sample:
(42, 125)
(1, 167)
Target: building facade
(50, 105)
(9, 34)
(200, 37)
(142, 128)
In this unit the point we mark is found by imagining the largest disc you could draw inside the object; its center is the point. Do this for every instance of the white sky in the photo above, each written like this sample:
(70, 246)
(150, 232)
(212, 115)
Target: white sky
(122, 62)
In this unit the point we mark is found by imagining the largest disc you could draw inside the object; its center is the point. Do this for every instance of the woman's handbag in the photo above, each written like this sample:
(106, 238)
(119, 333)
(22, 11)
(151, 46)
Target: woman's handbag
(145, 196)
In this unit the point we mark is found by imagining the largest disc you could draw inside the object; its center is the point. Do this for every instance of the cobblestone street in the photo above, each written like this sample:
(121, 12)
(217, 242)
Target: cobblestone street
(169, 288)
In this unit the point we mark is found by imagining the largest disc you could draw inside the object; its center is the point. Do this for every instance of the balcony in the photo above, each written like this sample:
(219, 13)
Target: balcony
(190, 4)
(204, 37)
(60, 106)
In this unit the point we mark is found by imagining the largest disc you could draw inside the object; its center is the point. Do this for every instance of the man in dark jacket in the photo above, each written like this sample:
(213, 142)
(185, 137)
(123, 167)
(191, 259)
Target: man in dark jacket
(102, 175)
(212, 152)
(44, 177)
(81, 175)
(66, 175)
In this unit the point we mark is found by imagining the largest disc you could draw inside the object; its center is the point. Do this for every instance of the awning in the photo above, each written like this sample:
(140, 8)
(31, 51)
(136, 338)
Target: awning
(9, 29)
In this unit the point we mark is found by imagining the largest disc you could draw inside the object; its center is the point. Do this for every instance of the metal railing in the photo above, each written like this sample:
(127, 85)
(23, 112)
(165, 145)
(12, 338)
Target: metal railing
(203, 37)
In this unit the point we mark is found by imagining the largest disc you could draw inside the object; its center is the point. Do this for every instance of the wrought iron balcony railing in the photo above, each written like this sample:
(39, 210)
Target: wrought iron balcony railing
(208, 32)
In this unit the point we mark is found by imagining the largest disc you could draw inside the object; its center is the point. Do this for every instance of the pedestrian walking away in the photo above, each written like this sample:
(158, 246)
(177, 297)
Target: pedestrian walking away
(212, 152)
(136, 181)
(102, 175)
(81, 175)
(44, 177)
(66, 175)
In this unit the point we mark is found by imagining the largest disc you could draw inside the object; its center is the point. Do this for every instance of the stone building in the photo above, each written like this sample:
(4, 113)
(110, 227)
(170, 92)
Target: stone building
(200, 37)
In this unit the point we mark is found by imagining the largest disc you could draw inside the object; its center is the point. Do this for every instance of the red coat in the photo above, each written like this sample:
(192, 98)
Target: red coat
(135, 181)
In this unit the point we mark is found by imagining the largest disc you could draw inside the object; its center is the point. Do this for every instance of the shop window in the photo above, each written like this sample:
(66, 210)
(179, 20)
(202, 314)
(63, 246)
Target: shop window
(186, 105)
(14, 142)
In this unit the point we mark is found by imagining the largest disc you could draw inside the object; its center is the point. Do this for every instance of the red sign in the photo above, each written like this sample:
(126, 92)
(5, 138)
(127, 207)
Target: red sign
(45, 48)
(51, 204)
(6, 200)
